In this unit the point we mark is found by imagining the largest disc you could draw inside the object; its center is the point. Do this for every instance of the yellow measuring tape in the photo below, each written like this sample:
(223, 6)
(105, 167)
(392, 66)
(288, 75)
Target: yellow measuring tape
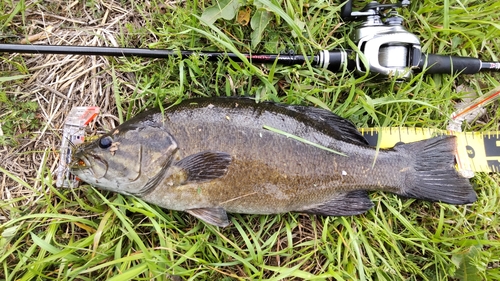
(476, 151)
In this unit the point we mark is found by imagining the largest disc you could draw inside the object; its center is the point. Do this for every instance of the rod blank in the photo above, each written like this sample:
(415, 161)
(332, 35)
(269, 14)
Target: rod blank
(335, 60)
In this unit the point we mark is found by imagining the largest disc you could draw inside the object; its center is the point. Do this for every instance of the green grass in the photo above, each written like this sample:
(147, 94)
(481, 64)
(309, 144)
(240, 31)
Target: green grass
(48, 233)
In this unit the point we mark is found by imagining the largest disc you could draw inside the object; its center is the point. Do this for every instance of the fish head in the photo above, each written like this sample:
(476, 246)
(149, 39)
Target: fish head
(130, 159)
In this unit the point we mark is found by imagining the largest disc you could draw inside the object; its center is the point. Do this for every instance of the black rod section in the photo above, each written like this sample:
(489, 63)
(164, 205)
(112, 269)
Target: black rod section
(441, 64)
(97, 51)
(332, 60)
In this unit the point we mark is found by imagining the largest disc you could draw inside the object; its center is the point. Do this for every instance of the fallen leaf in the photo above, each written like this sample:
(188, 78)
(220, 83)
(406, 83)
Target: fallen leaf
(244, 16)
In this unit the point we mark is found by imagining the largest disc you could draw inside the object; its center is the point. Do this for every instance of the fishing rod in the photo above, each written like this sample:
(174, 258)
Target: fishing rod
(385, 49)
(331, 60)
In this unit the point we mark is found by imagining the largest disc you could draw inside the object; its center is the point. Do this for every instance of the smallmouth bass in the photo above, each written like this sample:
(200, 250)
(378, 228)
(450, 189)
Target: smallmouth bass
(210, 156)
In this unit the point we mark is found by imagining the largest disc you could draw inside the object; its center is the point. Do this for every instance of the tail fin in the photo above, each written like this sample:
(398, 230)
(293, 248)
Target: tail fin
(436, 178)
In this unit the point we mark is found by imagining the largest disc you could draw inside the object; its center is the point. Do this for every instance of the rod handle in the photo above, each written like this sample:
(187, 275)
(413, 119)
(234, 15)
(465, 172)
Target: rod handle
(442, 64)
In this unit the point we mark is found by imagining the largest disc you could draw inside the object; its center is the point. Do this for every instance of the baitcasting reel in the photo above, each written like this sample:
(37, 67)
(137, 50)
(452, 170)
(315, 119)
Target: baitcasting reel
(384, 45)
(387, 49)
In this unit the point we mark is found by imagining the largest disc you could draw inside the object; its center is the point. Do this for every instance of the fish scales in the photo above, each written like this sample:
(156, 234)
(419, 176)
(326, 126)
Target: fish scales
(265, 162)
(220, 158)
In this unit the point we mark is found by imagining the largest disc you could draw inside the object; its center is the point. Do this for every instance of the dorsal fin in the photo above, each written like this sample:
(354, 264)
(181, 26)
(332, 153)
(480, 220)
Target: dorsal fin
(318, 118)
(341, 128)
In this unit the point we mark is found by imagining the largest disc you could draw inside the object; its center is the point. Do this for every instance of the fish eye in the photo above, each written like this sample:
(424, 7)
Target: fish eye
(81, 163)
(105, 142)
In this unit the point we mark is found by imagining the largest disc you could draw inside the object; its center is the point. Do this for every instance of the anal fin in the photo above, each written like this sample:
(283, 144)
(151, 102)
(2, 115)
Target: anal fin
(346, 204)
(215, 216)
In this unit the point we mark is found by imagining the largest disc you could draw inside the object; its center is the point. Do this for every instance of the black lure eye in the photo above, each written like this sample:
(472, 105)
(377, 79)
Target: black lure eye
(105, 142)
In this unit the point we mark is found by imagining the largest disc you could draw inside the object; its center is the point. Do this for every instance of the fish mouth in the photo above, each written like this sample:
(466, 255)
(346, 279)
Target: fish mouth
(79, 163)
(82, 162)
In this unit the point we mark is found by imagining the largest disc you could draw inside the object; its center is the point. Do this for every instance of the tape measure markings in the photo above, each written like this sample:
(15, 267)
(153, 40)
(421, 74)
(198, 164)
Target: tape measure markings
(476, 151)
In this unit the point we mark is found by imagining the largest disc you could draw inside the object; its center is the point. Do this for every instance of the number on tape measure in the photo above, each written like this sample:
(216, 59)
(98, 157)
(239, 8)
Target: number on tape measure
(477, 151)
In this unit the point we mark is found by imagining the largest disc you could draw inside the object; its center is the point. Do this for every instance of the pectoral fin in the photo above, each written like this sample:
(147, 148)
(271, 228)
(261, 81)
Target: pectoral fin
(205, 165)
(215, 216)
(346, 204)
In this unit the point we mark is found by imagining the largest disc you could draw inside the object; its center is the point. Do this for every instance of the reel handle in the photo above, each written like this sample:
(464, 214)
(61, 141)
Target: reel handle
(372, 8)
(346, 10)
